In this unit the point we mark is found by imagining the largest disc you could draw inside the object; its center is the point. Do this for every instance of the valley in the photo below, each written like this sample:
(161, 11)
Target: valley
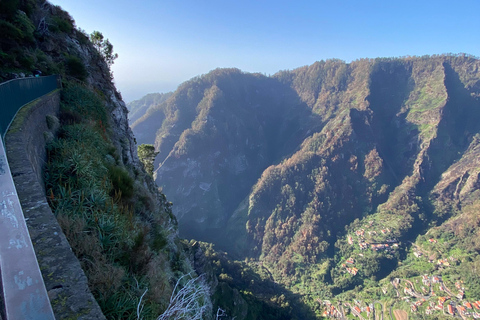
(332, 190)
(331, 177)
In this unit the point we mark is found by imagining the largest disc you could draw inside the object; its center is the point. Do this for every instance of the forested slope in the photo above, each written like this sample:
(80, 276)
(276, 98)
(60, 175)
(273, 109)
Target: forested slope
(288, 170)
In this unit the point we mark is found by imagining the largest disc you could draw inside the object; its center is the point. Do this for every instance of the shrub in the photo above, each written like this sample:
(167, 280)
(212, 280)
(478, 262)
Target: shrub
(9, 7)
(10, 34)
(146, 155)
(121, 181)
(77, 99)
(25, 25)
(69, 117)
(61, 24)
(76, 68)
(159, 241)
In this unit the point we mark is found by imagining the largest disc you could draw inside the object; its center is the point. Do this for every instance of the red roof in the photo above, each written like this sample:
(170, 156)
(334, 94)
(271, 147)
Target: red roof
(450, 309)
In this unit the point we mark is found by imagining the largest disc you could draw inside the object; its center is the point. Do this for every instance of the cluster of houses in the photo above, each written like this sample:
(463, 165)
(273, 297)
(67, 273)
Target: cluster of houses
(357, 309)
(388, 244)
(443, 262)
(414, 306)
(352, 270)
(440, 262)
(330, 310)
(409, 291)
(465, 310)
(458, 307)
(439, 306)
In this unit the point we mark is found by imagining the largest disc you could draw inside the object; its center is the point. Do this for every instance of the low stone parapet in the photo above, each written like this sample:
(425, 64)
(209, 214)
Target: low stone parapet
(64, 278)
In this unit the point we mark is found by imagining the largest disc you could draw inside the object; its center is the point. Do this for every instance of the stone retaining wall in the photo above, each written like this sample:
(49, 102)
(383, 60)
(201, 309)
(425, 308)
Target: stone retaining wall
(64, 279)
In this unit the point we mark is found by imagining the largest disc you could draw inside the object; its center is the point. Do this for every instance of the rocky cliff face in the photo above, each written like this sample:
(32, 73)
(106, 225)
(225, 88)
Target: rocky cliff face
(281, 169)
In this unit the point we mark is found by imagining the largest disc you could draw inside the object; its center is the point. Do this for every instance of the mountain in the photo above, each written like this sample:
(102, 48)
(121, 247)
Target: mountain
(138, 108)
(332, 176)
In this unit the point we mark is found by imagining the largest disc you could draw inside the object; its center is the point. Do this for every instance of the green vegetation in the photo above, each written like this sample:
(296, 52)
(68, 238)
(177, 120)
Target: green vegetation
(104, 47)
(76, 68)
(147, 154)
(246, 289)
(333, 186)
(119, 226)
(119, 241)
(30, 34)
(328, 174)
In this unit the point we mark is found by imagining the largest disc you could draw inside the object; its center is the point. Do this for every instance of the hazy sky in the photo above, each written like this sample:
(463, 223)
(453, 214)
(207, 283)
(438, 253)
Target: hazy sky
(164, 43)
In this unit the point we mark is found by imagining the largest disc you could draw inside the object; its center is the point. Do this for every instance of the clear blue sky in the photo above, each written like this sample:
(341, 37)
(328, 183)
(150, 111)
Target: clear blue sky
(162, 43)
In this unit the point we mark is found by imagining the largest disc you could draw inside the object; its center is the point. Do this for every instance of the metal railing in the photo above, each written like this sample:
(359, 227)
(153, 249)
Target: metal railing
(23, 290)
(16, 93)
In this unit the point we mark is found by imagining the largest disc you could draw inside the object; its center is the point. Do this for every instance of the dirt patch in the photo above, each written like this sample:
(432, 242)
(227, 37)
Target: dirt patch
(400, 314)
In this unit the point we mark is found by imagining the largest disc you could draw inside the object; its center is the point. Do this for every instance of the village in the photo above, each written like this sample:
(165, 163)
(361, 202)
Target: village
(387, 244)
(434, 297)
(427, 294)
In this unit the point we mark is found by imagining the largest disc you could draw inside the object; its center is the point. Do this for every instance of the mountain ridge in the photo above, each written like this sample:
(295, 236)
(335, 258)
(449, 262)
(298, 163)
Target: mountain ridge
(388, 140)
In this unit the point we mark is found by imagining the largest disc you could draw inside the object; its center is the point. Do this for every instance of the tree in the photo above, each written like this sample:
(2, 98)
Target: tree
(104, 47)
(147, 154)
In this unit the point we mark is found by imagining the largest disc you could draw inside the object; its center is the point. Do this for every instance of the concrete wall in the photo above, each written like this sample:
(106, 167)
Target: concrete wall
(65, 281)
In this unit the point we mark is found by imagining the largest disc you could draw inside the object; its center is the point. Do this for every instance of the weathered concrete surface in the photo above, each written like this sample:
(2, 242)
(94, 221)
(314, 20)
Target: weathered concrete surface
(65, 281)
(24, 292)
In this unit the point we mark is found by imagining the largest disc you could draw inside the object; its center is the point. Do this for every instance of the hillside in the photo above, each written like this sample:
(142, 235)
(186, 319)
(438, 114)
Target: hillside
(118, 225)
(332, 177)
(139, 108)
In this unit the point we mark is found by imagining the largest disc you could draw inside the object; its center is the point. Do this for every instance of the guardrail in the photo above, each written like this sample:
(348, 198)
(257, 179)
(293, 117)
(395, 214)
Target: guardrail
(24, 292)
(16, 93)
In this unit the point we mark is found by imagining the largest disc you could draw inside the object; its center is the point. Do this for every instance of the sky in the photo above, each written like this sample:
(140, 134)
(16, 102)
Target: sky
(163, 43)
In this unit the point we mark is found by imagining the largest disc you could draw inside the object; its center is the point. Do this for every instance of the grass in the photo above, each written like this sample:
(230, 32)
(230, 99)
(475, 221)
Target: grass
(120, 242)
(80, 189)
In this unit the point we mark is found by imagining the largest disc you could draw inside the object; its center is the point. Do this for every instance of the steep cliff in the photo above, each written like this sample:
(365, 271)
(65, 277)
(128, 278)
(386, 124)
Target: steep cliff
(117, 223)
